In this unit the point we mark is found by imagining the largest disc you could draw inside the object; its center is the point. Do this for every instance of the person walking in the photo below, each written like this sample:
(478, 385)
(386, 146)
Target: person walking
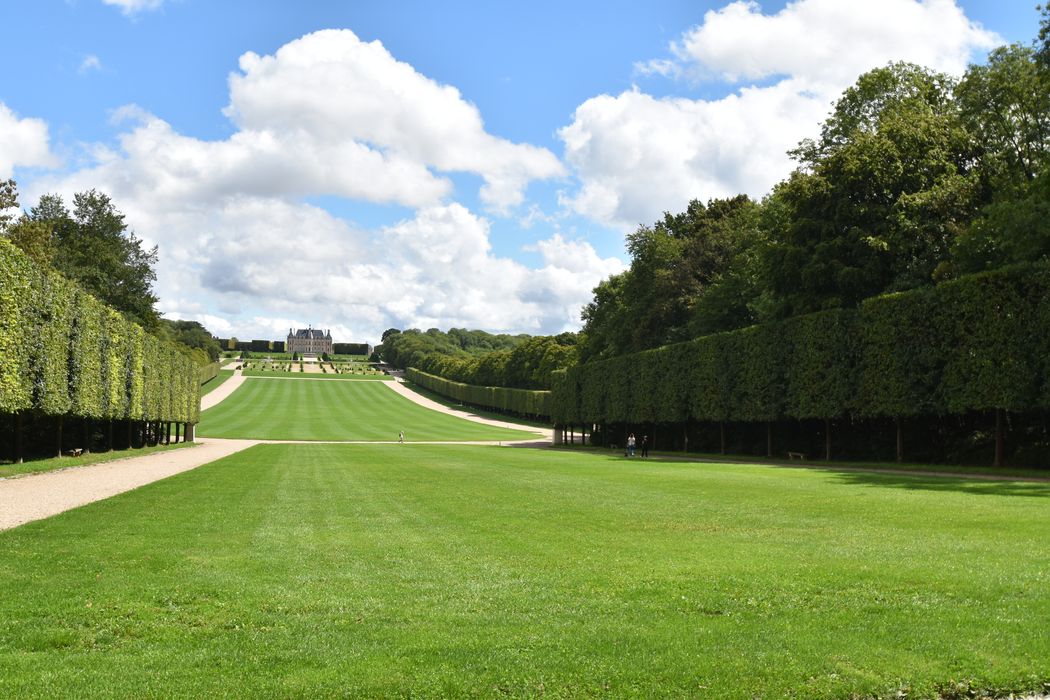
(630, 445)
(401, 437)
(645, 445)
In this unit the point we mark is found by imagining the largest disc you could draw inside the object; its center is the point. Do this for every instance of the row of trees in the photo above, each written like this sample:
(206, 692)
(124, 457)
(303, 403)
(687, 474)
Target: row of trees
(915, 179)
(479, 358)
(979, 343)
(520, 402)
(63, 353)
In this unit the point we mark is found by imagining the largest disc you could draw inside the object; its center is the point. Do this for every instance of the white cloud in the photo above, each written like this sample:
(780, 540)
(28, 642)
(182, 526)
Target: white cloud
(831, 42)
(91, 62)
(335, 91)
(23, 142)
(327, 114)
(637, 156)
(307, 267)
(133, 7)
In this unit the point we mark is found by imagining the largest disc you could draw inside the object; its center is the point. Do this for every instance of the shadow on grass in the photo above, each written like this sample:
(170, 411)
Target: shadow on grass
(980, 487)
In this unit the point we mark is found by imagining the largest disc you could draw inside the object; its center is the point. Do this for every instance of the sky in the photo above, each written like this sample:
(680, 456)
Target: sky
(357, 166)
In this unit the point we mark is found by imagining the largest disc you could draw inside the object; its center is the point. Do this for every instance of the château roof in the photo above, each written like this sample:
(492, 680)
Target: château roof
(309, 333)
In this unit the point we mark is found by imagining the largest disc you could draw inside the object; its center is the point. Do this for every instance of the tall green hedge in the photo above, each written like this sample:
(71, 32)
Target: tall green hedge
(976, 343)
(63, 352)
(524, 402)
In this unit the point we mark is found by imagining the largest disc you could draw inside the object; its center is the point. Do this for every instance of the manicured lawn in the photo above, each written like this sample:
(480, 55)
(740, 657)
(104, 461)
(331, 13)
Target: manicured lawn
(448, 571)
(280, 409)
(216, 382)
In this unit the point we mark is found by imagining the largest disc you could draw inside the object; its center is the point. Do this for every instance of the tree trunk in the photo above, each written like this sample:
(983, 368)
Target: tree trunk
(722, 436)
(1000, 438)
(177, 427)
(900, 440)
(769, 438)
(827, 439)
(167, 436)
(189, 432)
(58, 441)
(18, 438)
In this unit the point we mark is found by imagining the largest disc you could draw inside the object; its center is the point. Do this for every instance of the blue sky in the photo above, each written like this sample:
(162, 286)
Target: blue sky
(477, 167)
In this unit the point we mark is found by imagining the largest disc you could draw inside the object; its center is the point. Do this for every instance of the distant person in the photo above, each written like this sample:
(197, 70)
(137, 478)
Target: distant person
(630, 445)
(401, 437)
(645, 445)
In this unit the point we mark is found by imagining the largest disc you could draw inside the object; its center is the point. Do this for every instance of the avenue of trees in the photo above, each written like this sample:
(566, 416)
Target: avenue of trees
(914, 179)
(894, 285)
(480, 358)
(85, 359)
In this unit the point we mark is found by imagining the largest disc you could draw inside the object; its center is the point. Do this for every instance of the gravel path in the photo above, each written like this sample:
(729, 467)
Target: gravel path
(224, 390)
(546, 433)
(38, 496)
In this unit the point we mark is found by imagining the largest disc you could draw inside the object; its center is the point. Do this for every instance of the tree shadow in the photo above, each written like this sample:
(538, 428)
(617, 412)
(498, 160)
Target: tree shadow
(959, 484)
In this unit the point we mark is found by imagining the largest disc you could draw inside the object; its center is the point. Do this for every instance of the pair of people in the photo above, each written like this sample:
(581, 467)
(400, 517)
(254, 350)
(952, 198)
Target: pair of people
(631, 443)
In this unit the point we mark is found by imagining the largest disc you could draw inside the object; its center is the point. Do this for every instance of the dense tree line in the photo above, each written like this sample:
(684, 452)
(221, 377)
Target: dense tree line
(92, 246)
(915, 179)
(73, 371)
(480, 358)
(959, 362)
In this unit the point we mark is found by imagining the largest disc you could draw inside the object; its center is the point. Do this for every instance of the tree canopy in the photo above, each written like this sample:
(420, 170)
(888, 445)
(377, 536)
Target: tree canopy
(913, 179)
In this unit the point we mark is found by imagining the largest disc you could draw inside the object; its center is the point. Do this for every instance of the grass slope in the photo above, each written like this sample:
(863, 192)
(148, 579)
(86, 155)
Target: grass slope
(216, 381)
(444, 571)
(276, 409)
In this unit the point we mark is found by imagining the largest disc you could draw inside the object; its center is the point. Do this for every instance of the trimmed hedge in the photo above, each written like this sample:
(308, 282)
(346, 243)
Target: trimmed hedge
(523, 402)
(976, 343)
(208, 372)
(63, 352)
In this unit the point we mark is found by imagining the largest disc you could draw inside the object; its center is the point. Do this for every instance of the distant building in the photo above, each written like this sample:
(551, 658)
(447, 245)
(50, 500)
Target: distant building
(309, 341)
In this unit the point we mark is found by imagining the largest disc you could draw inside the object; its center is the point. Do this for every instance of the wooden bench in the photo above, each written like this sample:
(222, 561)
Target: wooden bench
(75, 452)
(800, 456)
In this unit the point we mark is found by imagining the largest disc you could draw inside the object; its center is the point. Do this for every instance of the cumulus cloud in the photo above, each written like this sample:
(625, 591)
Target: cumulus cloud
(637, 156)
(327, 114)
(435, 269)
(23, 142)
(332, 90)
(133, 7)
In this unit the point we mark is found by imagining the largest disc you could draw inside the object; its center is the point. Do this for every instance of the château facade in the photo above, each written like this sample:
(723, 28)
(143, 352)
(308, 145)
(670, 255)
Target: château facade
(309, 340)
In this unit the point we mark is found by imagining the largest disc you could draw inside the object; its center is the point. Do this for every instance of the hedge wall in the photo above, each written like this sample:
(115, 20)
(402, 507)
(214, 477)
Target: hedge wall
(980, 342)
(523, 402)
(207, 372)
(62, 352)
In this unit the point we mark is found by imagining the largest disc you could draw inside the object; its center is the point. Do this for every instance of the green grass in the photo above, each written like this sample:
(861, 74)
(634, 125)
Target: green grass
(276, 409)
(47, 465)
(214, 383)
(296, 374)
(449, 571)
(967, 469)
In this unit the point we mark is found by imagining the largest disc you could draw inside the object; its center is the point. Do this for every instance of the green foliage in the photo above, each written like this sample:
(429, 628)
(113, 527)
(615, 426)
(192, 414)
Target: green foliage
(476, 357)
(690, 273)
(522, 402)
(62, 352)
(976, 343)
(93, 247)
(194, 336)
(16, 393)
(49, 336)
